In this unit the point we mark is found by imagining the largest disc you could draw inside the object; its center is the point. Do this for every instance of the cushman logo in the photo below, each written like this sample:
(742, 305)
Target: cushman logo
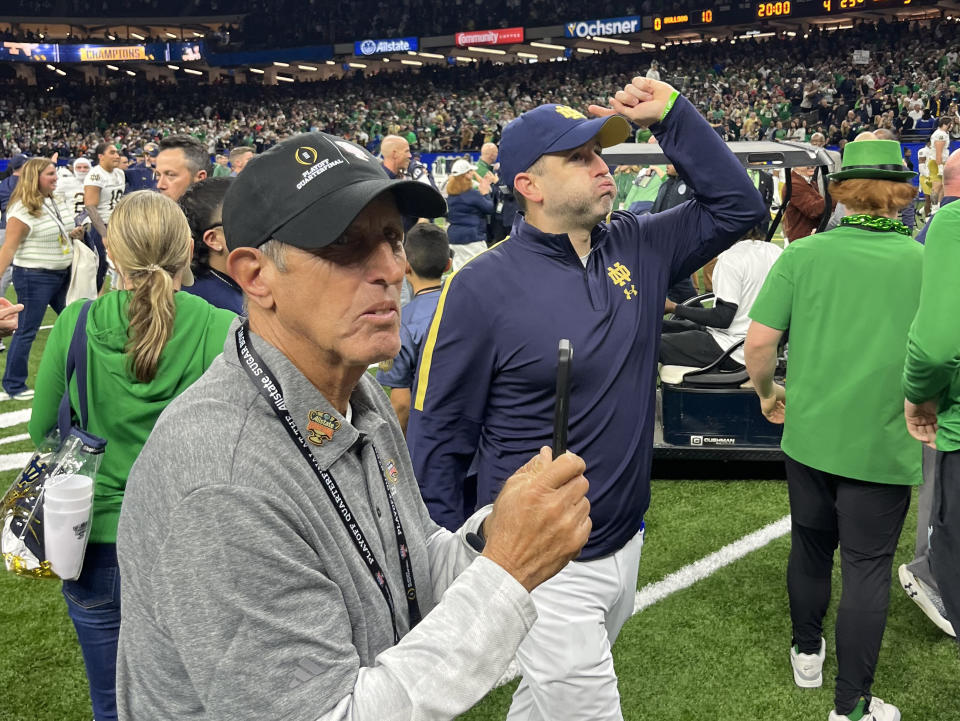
(306, 155)
(712, 441)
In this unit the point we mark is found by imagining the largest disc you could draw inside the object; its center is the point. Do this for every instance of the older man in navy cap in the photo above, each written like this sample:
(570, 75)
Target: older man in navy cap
(277, 559)
(486, 382)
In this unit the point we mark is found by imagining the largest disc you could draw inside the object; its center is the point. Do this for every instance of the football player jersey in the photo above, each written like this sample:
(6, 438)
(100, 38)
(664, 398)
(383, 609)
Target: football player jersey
(69, 192)
(111, 186)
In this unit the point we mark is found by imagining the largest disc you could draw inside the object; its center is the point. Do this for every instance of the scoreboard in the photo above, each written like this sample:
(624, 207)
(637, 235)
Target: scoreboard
(745, 12)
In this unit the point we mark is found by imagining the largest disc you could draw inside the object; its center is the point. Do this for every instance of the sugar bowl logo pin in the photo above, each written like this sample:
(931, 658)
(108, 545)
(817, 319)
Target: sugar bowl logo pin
(321, 426)
(393, 475)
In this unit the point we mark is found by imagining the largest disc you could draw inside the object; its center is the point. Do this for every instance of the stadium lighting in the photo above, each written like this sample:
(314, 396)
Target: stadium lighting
(50, 67)
(330, 62)
(528, 55)
(58, 71)
(357, 65)
(648, 46)
(548, 46)
(615, 41)
(284, 78)
(173, 67)
(588, 51)
(464, 58)
(111, 36)
(281, 65)
(714, 40)
(138, 36)
(411, 62)
(131, 73)
(791, 34)
(194, 72)
(258, 71)
(112, 67)
(431, 55)
(198, 35)
(308, 67)
(491, 51)
(384, 60)
(663, 47)
(747, 36)
(170, 35)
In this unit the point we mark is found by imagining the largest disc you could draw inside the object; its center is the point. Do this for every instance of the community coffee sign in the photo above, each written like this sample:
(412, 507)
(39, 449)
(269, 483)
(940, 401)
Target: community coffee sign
(498, 36)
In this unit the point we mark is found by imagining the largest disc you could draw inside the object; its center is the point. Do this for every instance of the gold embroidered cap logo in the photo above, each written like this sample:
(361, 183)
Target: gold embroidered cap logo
(306, 155)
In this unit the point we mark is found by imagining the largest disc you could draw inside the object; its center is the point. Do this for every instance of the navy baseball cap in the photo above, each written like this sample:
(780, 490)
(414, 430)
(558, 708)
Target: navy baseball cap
(552, 129)
(18, 161)
(306, 191)
(151, 149)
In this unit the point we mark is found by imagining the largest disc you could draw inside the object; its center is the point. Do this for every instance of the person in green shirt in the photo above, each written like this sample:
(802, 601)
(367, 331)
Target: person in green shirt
(931, 384)
(847, 297)
(146, 344)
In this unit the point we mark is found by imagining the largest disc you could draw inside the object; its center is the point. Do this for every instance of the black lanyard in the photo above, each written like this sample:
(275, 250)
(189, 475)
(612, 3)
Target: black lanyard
(269, 388)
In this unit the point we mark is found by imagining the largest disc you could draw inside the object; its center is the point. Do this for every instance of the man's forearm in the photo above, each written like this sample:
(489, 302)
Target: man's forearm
(761, 362)
(95, 219)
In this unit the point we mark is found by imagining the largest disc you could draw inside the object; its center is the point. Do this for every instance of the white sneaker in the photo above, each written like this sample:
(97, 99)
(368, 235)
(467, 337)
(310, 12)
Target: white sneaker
(879, 711)
(926, 598)
(808, 667)
(24, 396)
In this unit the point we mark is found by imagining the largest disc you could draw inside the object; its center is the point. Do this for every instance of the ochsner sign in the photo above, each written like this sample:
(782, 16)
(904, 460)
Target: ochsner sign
(377, 47)
(606, 26)
(498, 36)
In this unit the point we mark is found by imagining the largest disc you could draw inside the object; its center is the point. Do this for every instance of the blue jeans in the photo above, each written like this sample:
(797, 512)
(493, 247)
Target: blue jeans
(93, 602)
(36, 289)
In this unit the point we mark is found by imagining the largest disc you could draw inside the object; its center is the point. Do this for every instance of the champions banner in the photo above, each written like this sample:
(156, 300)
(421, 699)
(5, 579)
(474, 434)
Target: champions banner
(51, 53)
(497, 36)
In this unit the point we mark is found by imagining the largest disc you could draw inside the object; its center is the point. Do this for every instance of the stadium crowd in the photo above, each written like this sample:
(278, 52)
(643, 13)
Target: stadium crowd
(759, 89)
(266, 24)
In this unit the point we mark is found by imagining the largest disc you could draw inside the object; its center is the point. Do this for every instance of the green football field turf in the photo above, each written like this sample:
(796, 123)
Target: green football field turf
(717, 650)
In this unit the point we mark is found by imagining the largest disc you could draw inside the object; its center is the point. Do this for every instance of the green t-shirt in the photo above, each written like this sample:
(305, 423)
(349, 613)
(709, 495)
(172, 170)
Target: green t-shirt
(121, 409)
(645, 190)
(848, 297)
(932, 369)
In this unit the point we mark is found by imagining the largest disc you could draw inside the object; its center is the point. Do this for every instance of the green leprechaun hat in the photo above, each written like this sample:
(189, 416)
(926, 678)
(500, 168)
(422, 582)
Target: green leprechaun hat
(873, 160)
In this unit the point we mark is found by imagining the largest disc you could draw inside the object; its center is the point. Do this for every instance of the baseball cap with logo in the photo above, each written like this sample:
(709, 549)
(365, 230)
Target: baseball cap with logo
(151, 149)
(306, 190)
(553, 129)
(18, 161)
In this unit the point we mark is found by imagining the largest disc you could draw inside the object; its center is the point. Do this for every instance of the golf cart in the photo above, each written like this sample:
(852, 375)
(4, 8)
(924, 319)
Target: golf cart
(708, 420)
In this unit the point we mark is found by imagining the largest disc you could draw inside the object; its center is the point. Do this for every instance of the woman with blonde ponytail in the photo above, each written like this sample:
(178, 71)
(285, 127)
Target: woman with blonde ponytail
(146, 343)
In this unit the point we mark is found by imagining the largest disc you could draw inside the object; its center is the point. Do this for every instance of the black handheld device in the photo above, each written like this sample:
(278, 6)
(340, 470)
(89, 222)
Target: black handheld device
(561, 412)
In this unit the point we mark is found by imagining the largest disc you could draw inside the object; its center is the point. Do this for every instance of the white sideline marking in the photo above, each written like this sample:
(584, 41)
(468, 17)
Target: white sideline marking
(14, 418)
(14, 461)
(708, 565)
(15, 439)
(689, 575)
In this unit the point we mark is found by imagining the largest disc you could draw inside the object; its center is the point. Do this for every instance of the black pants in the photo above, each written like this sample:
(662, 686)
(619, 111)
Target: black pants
(945, 537)
(865, 520)
(685, 343)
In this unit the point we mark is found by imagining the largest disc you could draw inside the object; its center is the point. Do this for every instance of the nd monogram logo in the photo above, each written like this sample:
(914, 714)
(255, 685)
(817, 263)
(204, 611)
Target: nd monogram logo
(620, 275)
(570, 113)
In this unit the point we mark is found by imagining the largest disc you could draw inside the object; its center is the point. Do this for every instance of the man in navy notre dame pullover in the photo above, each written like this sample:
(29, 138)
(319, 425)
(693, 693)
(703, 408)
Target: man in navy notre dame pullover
(487, 374)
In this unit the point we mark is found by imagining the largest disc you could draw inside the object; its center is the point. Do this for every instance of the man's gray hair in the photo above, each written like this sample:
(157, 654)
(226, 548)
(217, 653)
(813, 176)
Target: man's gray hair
(277, 253)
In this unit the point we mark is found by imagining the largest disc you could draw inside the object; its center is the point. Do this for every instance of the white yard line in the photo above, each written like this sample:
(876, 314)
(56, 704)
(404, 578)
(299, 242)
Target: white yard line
(14, 461)
(14, 439)
(689, 575)
(13, 418)
(708, 565)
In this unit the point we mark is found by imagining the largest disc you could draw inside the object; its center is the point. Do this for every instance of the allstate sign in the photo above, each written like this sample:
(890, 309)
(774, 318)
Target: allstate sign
(379, 47)
(605, 26)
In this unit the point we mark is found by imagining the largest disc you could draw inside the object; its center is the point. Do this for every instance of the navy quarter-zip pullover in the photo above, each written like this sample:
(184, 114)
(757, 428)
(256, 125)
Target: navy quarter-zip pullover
(487, 374)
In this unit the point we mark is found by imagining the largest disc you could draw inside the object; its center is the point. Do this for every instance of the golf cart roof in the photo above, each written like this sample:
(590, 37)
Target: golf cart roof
(753, 154)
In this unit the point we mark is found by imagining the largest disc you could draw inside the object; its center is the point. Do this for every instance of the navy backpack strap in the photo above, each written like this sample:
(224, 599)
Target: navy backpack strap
(76, 365)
